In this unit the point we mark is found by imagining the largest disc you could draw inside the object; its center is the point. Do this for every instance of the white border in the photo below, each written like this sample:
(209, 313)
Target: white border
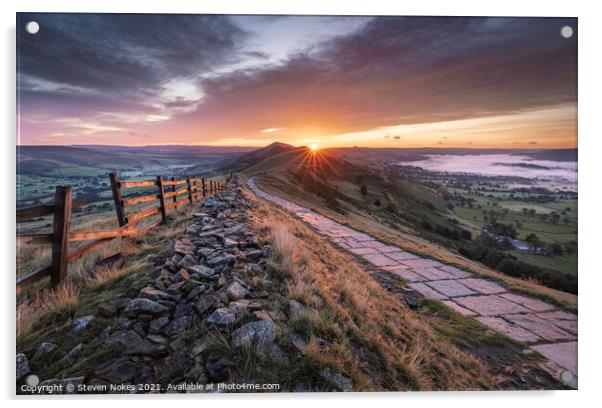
(590, 154)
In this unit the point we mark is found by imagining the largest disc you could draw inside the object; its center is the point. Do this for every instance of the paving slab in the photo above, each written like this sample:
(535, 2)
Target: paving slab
(433, 273)
(490, 305)
(563, 354)
(533, 304)
(364, 251)
(379, 260)
(511, 330)
(456, 272)
(483, 286)
(557, 315)
(427, 291)
(422, 263)
(404, 273)
(543, 328)
(450, 288)
(567, 325)
(401, 255)
(454, 306)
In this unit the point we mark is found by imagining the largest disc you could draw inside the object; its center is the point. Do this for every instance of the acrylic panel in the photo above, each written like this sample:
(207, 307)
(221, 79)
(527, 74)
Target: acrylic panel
(281, 203)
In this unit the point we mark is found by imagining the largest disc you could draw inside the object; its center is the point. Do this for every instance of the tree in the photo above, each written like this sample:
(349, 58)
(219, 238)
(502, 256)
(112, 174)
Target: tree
(534, 240)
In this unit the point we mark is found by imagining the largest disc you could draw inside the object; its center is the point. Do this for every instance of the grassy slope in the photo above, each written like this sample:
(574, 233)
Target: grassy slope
(374, 338)
(279, 175)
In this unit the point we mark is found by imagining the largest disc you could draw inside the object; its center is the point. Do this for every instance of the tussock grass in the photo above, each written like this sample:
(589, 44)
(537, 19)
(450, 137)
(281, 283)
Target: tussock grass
(61, 300)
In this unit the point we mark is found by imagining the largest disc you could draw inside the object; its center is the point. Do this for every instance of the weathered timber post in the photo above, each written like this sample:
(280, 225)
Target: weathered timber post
(162, 199)
(173, 189)
(204, 187)
(114, 177)
(60, 234)
(210, 186)
(189, 189)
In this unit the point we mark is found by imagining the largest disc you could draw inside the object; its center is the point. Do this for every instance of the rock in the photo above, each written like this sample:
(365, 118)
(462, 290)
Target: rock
(205, 303)
(187, 261)
(177, 325)
(183, 248)
(123, 322)
(182, 275)
(195, 292)
(157, 339)
(156, 325)
(43, 350)
(413, 299)
(176, 288)
(337, 380)
(295, 307)
(202, 270)
(299, 342)
(224, 260)
(236, 291)
(266, 250)
(72, 355)
(219, 371)
(202, 345)
(193, 229)
(142, 305)
(253, 255)
(205, 252)
(155, 294)
(257, 335)
(80, 324)
(230, 243)
(132, 343)
(112, 307)
(22, 366)
(258, 294)
(222, 316)
(117, 371)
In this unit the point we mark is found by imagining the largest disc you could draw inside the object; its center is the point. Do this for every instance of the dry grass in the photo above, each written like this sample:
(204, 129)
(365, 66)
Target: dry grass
(373, 338)
(60, 300)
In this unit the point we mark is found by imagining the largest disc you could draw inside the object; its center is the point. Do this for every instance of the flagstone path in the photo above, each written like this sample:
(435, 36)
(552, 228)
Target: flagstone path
(546, 329)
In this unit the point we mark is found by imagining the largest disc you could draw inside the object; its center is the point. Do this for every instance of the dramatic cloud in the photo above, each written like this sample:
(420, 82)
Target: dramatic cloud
(215, 79)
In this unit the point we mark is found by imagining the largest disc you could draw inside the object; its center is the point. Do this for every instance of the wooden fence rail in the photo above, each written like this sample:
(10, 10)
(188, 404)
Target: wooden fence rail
(129, 224)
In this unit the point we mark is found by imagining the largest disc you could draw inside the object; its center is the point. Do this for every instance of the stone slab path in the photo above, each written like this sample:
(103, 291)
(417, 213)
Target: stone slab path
(544, 328)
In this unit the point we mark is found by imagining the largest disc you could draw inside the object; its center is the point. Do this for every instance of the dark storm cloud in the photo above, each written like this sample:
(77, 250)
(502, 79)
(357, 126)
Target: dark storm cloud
(123, 51)
(399, 70)
(116, 62)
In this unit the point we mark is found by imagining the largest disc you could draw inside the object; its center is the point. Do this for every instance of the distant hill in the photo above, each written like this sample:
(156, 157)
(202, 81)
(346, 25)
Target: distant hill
(240, 161)
(561, 155)
(248, 159)
(90, 160)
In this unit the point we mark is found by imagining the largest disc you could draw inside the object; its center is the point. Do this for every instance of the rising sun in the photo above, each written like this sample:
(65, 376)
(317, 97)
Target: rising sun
(313, 147)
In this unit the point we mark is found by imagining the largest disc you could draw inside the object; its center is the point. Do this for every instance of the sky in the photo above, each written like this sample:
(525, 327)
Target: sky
(127, 79)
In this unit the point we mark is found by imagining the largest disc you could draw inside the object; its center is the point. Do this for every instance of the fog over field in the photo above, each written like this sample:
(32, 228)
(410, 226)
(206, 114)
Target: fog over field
(548, 173)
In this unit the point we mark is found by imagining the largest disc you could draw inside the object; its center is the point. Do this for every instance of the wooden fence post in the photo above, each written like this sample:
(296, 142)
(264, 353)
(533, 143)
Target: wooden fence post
(173, 190)
(189, 189)
(204, 187)
(210, 186)
(60, 234)
(162, 199)
(117, 198)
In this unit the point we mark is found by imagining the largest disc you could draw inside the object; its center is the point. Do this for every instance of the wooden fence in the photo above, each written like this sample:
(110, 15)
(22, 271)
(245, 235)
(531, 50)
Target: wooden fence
(167, 193)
